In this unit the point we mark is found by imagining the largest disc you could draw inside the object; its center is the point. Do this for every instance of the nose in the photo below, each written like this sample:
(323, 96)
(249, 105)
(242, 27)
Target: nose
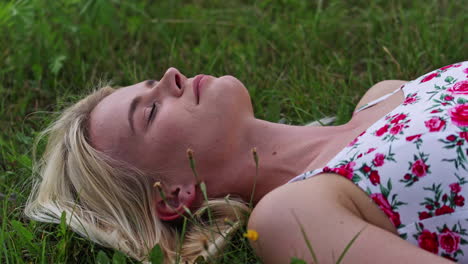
(173, 82)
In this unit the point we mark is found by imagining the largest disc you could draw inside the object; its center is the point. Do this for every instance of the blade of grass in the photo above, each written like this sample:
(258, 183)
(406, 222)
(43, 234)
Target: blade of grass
(349, 245)
(309, 245)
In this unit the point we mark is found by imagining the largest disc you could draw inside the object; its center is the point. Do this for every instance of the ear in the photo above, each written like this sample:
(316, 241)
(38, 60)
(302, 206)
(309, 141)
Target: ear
(176, 198)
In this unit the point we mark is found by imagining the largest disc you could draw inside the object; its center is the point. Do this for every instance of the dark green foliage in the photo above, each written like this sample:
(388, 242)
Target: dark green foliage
(156, 255)
(300, 60)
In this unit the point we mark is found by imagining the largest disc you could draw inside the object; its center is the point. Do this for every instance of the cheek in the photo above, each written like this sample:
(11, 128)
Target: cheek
(165, 149)
(178, 128)
(204, 134)
(170, 132)
(202, 128)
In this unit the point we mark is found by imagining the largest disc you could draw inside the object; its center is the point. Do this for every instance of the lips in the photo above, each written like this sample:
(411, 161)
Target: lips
(196, 86)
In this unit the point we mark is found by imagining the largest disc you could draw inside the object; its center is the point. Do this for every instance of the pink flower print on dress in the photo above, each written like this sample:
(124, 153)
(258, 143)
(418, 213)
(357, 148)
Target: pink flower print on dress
(451, 138)
(429, 169)
(370, 150)
(419, 168)
(383, 203)
(459, 115)
(366, 169)
(380, 200)
(374, 177)
(444, 197)
(448, 98)
(435, 124)
(430, 77)
(460, 87)
(413, 137)
(411, 99)
(398, 118)
(394, 216)
(381, 131)
(449, 66)
(464, 135)
(395, 126)
(379, 159)
(397, 129)
(459, 200)
(444, 210)
(424, 215)
(449, 241)
(445, 67)
(352, 143)
(455, 187)
(346, 170)
(428, 241)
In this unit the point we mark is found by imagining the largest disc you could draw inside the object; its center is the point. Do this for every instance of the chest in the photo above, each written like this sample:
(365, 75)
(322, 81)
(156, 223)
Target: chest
(358, 123)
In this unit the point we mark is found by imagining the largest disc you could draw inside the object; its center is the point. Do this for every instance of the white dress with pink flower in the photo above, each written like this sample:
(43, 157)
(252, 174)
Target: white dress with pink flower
(413, 162)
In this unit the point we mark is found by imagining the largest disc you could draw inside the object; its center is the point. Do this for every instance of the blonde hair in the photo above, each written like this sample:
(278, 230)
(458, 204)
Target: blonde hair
(110, 202)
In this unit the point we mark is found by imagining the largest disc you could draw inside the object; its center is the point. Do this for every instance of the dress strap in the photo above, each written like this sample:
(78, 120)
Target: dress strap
(378, 100)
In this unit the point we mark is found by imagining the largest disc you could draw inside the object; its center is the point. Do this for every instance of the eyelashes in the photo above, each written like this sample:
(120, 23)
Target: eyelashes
(152, 113)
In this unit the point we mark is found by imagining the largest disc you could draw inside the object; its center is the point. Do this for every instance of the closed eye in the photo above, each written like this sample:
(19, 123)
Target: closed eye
(152, 113)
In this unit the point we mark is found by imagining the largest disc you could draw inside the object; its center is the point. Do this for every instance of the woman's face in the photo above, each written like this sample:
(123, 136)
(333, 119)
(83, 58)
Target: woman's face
(152, 124)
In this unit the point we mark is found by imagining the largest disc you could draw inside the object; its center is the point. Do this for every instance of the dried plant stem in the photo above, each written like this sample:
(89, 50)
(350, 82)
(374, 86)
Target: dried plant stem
(255, 156)
(202, 186)
(192, 164)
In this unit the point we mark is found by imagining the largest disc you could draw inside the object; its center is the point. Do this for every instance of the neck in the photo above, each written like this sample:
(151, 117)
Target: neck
(284, 151)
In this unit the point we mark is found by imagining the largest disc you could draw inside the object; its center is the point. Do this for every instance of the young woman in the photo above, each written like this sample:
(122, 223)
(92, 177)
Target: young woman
(396, 172)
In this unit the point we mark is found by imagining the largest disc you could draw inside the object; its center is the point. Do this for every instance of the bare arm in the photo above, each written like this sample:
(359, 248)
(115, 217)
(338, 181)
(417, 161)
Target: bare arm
(329, 224)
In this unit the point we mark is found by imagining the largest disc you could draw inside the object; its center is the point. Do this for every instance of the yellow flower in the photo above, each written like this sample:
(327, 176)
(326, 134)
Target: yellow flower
(251, 234)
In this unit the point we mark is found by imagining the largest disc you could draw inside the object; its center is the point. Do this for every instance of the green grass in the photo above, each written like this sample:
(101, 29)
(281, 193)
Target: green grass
(300, 60)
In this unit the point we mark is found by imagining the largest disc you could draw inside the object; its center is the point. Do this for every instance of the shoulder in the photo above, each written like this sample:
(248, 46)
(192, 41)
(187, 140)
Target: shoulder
(306, 205)
(379, 89)
(315, 226)
(327, 192)
(318, 212)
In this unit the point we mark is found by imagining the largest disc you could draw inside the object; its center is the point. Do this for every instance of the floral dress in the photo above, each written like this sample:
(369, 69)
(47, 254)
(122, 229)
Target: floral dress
(413, 162)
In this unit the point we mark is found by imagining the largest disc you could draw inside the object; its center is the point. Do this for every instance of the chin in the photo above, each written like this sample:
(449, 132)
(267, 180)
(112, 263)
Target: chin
(236, 91)
(231, 80)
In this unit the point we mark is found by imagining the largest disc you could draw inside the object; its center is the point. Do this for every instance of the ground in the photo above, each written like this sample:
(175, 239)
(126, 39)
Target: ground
(300, 60)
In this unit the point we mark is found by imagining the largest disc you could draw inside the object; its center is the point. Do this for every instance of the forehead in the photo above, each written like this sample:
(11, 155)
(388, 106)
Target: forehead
(108, 125)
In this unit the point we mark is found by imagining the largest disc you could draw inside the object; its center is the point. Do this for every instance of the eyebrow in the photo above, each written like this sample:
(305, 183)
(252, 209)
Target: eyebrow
(131, 112)
(150, 83)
